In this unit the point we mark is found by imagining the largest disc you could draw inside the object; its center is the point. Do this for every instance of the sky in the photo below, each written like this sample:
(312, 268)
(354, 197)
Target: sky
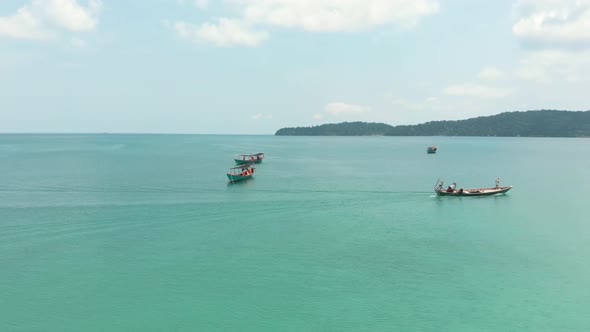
(254, 66)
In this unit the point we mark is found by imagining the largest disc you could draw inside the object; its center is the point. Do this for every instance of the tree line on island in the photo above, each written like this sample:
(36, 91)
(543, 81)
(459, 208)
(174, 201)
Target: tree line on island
(543, 123)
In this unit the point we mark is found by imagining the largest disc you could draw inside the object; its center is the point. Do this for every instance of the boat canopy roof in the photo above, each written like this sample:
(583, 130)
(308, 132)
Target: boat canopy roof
(251, 155)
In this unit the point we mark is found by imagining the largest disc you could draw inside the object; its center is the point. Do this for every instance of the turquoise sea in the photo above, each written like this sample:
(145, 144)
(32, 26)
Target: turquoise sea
(143, 233)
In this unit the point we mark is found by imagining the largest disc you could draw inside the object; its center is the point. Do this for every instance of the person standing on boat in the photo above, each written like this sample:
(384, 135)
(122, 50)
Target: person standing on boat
(452, 187)
(497, 182)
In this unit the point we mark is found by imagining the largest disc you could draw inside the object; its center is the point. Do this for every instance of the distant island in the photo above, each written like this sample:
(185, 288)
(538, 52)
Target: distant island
(543, 123)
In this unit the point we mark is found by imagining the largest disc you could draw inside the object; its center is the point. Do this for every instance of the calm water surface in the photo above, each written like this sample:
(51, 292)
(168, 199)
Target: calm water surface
(143, 233)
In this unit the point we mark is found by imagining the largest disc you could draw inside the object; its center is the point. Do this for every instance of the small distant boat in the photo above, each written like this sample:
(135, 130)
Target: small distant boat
(431, 149)
(240, 173)
(249, 158)
(453, 191)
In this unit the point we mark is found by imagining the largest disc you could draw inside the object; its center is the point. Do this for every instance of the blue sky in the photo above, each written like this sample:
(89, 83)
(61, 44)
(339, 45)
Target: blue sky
(254, 66)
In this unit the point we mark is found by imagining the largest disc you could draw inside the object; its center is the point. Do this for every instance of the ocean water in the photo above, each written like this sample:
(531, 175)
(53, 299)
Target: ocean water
(144, 233)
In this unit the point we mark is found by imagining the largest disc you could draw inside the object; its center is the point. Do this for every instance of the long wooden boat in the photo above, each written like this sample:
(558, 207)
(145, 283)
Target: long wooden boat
(249, 158)
(453, 191)
(240, 173)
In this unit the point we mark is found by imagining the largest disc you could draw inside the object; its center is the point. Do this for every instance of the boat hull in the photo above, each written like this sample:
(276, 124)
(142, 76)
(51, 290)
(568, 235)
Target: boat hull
(234, 178)
(474, 192)
(243, 162)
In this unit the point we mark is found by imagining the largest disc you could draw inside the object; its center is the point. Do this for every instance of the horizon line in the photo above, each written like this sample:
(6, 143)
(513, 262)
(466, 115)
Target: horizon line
(125, 133)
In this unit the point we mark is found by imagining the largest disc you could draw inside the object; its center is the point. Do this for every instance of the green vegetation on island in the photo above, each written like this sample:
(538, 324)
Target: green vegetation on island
(339, 129)
(543, 123)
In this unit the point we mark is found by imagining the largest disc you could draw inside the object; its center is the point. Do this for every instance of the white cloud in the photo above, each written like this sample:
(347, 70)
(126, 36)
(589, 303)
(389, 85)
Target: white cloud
(476, 90)
(553, 23)
(491, 73)
(308, 15)
(70, 15)
(38, 20)
(559, 31)
(338, 109)
(226, 33)
(338, 15)
(23, 25)
(318, 116)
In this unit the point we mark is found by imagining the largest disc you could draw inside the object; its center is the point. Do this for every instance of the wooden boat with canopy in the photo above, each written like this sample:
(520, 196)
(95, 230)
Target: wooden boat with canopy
(431, 149)
(249, 158)
(453, 191)
(241, 172)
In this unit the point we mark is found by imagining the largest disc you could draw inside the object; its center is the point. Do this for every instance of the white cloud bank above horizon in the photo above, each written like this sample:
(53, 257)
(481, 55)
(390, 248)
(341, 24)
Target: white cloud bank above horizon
(553, 23)
(557, 33)
(39, 19)
(307, 15)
